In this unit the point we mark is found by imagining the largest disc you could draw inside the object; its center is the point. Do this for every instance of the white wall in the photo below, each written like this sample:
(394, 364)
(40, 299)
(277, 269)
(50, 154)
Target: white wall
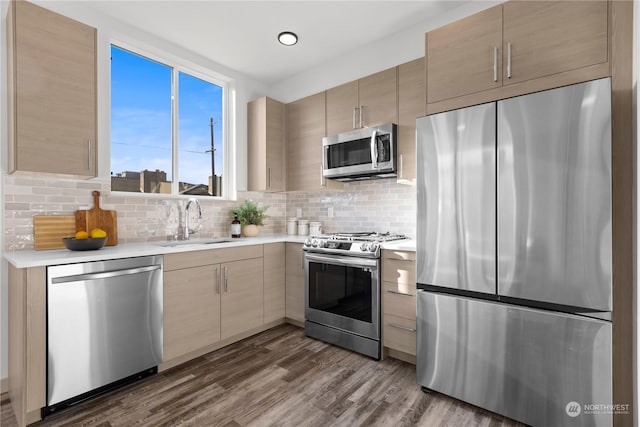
(406, 45)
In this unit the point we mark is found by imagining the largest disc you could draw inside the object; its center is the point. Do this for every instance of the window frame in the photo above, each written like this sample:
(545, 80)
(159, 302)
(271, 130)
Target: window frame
(180, 65)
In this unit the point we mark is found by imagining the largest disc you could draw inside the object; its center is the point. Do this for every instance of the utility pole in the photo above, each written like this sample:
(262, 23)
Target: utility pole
(213, 162)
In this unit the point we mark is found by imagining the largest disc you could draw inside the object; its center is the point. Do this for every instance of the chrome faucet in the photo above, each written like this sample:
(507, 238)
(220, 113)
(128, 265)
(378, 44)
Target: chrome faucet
(188, 231)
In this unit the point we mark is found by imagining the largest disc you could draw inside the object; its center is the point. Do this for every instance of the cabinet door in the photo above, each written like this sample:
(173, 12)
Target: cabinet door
(266, 145)
(411, 104)
(342, 108)
(242, 296)
(274, 282)
(461, 56)
(191, 309)
(294, 282)
(54, 109)
(552, 37)
(378, 98)
(305, 130)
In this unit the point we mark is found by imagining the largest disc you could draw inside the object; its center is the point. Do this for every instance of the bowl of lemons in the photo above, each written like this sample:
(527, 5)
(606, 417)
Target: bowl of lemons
(86, 241)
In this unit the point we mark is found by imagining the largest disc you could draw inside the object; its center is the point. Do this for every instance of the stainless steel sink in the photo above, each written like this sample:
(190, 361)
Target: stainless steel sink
(193, 242)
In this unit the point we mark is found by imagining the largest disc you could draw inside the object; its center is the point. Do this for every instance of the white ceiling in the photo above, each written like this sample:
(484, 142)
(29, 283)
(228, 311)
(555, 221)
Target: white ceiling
(242, 35)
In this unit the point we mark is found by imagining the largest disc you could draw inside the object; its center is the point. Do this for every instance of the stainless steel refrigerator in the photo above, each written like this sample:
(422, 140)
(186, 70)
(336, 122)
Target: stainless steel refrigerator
(514, 255)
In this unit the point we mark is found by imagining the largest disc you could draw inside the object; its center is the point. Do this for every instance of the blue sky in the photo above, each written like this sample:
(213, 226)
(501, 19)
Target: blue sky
(141, 119)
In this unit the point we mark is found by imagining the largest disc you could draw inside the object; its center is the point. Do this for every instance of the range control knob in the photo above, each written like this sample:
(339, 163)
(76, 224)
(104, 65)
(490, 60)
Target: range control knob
(364, 247)
(314, 243)
(322, 243)
(373, 247)
(307, 242)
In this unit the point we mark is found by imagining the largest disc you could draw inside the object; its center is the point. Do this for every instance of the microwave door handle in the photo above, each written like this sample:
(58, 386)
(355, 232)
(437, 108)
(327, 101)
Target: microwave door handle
(374, 150)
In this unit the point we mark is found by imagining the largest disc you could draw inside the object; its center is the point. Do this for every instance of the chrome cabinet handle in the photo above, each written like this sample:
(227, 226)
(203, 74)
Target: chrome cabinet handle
(401, 259)
(404, 328)
(269, 179)
(495, 64)
(354, 117)
(508, 60)
(226, 279)
(217, 281)
(400, 293)
(89, 152)
(401, 175)
(361, 109)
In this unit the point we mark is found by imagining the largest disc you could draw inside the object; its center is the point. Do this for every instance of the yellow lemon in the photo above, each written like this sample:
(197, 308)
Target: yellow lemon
(97, 233)
(81, 235)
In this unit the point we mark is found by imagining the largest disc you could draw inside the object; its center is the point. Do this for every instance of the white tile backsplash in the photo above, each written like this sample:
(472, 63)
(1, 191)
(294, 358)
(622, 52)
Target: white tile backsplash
(378, 205)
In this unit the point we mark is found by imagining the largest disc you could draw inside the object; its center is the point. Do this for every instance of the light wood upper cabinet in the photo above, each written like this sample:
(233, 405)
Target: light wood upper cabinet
(242, 296)
(378, 98)
(191, 309)
(52, 92)
(266, 145)
(411, 104)
(305, 130)
(294, 281)
(342, 108)
(274, 282)
(370, 101)
(464, 57)
(552, 37)
(516, 48)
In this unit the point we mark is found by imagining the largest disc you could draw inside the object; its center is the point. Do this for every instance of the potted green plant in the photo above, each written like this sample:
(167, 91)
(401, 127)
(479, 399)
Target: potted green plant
(251, 216)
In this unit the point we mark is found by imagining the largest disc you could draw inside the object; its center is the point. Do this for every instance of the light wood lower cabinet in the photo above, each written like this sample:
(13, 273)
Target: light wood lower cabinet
(274, 282)
(295, 282)
(210, 296)
(27, 342)
(399, 303)
(191, 309)
(242, 296)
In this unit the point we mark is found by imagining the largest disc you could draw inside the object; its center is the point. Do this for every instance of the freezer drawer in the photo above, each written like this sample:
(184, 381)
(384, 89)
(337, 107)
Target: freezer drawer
(523, 363)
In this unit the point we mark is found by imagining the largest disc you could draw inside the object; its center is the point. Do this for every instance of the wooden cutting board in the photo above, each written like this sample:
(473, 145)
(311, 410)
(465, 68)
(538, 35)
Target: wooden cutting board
(98, 218)
(49, 230)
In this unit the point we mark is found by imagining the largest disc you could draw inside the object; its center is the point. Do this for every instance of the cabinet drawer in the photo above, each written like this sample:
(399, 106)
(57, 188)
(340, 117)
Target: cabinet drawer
(399, 334)
(399, 266)
(398, 302)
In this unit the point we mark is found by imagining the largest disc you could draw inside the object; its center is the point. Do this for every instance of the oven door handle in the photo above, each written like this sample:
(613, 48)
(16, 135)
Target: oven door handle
(342, 260)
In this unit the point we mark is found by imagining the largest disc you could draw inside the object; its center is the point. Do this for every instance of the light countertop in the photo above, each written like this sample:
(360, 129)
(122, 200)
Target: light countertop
(32, 258)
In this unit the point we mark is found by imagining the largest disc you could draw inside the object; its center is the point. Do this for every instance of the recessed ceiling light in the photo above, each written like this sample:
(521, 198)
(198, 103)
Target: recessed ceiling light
(287, 38)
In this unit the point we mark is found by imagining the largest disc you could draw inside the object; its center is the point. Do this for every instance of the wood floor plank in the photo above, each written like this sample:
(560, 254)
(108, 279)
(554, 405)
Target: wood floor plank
(277, 378)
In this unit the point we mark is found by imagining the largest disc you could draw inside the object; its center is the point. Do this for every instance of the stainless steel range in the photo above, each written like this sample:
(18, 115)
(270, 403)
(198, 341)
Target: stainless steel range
(342, 289)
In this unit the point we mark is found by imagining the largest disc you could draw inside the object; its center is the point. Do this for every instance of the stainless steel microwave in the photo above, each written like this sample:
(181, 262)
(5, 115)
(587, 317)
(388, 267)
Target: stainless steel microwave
(360, 154)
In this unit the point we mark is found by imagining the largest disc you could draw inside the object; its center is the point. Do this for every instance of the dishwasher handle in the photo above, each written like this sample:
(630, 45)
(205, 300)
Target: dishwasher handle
(104, 274)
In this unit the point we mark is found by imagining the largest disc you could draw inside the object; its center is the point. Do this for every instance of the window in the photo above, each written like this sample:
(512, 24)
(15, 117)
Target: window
(160, 146)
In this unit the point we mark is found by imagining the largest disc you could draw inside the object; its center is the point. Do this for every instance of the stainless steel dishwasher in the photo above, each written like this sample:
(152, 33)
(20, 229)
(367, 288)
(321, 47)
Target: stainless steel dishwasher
(104, 327)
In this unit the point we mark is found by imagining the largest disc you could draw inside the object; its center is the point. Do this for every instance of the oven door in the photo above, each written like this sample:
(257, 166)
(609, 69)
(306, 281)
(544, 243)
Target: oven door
(343, 292)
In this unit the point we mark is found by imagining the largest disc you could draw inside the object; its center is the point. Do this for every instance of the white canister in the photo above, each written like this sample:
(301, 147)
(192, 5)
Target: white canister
(303, 227)
(292, 226)
(315, 228)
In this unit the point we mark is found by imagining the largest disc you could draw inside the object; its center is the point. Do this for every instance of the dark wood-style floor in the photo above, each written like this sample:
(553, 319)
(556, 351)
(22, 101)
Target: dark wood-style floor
(277, 378)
